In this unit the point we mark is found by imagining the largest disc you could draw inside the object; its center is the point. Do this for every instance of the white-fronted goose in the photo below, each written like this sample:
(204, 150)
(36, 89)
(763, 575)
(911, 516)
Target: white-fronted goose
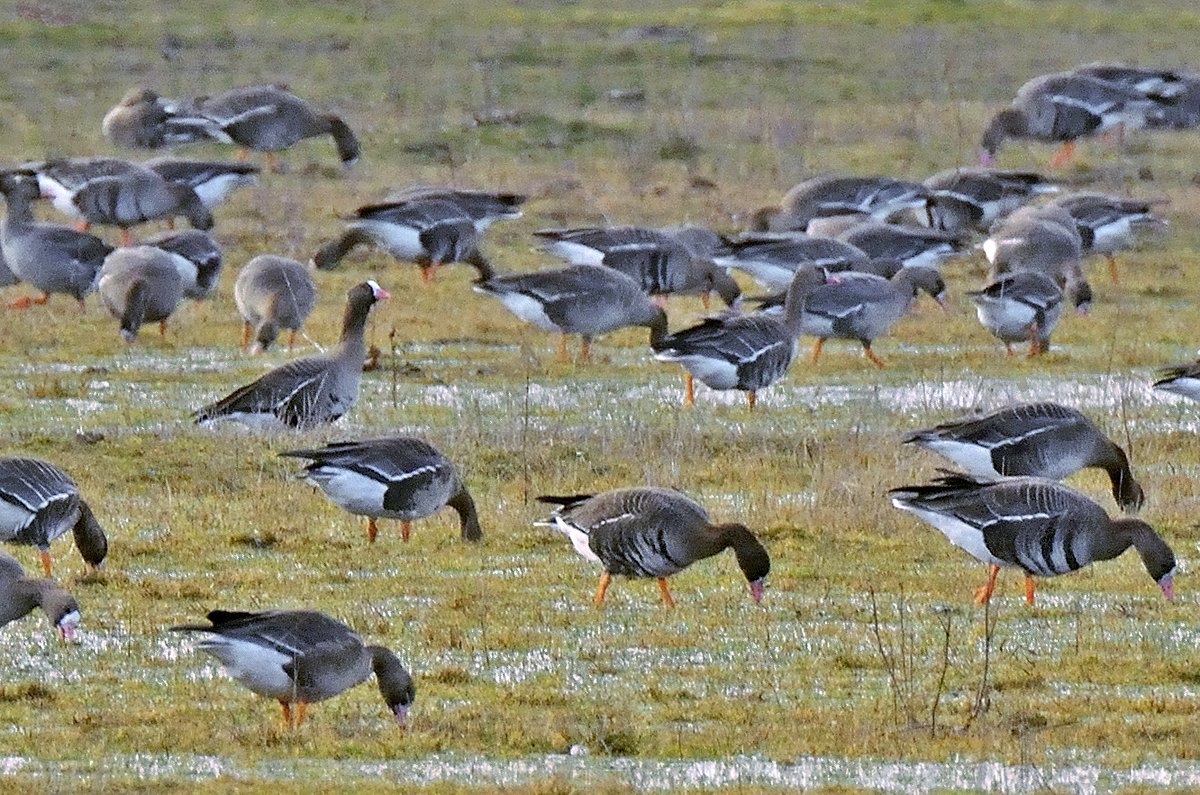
(1063, 107)
(141, 120)
(914, 246)
(1107, 224)
(140, 285)
(483, 207)
(299, 657)
(588, 300)
(746, 352)
(398, 477)
(1183, 113)
(1039, 526)
(1020, 306)
(975, 198)
(656, 260)
(772, 259)
(269, 119)
(309, 391)
(199, 262)
(865, 308)
(1042, 440)
(213, 181)
(19, 595)
(273, 293)
(1043, 239)
(1183, 379)
(652, 532)
(429, 232)
(819, 197)
(38, 503)
(1160, 84)
(49, 257)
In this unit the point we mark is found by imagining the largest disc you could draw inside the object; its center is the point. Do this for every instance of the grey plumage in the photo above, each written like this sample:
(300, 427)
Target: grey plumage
(1020, 306)
(427, 231)
(139, 285)
(1183, 379)
(273, 293)
(1043, 239)
(819, 197)
(772, 259)
(19, 595)
(212, 180)
(39, 503)
(200, 260)
(914, 246)
(975, 198)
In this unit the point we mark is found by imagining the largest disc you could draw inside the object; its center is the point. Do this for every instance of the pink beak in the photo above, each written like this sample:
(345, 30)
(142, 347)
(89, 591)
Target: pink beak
(756, 590)
(401, 713)
(1168, 587)
(986, 158)
(382, 294)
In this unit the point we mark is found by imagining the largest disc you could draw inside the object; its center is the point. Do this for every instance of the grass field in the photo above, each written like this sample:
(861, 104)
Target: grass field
(867, 668)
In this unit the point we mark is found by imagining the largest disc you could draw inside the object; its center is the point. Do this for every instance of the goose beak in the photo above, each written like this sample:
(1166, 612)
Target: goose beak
(382, 294)
(943, 302)
(756, 590)
(401, 713)
(1168, 587)
(986, 159)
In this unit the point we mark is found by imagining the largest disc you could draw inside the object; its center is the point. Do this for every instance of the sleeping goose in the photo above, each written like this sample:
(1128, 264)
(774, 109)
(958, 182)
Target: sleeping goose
(1020, 306)
(141, 120)
(273, 293)
(1039, 526)
(914, 246)
(975, 198)
(772, 259)
(139, 285)
(19, 595)
(49, 257)
(1107, 224)
(199, 259)
(1043, 440)
(1043, 239)
(865, 308)
(38, 503)
(1183, 379)
(429, 232)
(819, 197)
(213, 181)
(746, 352)
(398, 477)
(306, 392)
(588, 300)
(299, 657)
(653, 532)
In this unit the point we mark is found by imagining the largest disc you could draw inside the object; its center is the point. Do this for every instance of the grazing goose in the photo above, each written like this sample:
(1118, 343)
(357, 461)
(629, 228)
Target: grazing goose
(299, 657)
(1039, 526)
(975, 198)
(914, 246)
(865, 308)
(50, 258)
(140, 285)
(1020, 306)
(1107, 223)
(19, 595)
(199, 260)
(273, 293)
(38, 503)
(654, 259)
(483, 207)
(1183, 379)
(652, 532)
(309, 391)
(772, 259)
(394, 478)
(269, 119)
(213, 181)
(588, 300)
(819, 197)
(1064, 107)
(1042, 440)
(429, 232)
(1043, 240)
(746, 352)
(141, 120)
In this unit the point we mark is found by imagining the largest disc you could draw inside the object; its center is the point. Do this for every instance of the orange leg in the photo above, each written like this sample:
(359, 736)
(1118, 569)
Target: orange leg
(689, 391)
(705, 300)
(1063, 155)
(1008, 349)
(162, 328)
(817, 350)
(871, 355)
(1112, 269)
(301, 711)
(752, 397)
(42, 299)
(405, 530)
(245, 335)
(243, 154)
(46, 563)
(287, 714)
(372, 529)
(426, 273)
(82, 306)
(291, 340)
(1035, 345)
(585, 353)
(605, 581)
(563, 355)
(984, 595)
(1029, 589)
(82, 225)
(273, 164)
(21, 303)
(126, 236)
(666, 592)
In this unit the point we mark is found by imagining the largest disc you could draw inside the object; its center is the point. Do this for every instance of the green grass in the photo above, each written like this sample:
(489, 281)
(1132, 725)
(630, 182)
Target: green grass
(514, 666)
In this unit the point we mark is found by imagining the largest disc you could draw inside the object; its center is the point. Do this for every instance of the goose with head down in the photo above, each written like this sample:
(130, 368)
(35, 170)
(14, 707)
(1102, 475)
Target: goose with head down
(19, 595)
(39, 503)
(1018, 307)
(273, 293)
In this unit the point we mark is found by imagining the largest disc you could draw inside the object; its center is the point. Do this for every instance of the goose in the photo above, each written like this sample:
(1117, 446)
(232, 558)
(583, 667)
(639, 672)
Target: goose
(914, 246)
(1020, 306)
(300, 657)
(269, 118)
(878, 197)
(1107, 224)
(1159, 84)
(1036, 525)
(1064, 107)
(199, 260)
(50, 258)
(38, 503)
(772, 259)
(19, 595)
(653, 532)
(1043, 440)
(975, 198)
(655, 259)
(139, 285)
(1184, 111)
(1043, 239)
(429, 232)
(273, 293)
(746, 352)
(213, 181)
(306, 392)
(865, 308)
(588, 300)
(141, 120)
(482, 207)
(1183, 379)
(398, 477)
